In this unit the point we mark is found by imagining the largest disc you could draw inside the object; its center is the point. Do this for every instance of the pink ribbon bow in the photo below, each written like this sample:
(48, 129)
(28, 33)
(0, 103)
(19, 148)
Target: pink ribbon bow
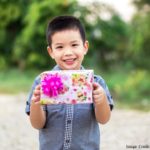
(52, 85)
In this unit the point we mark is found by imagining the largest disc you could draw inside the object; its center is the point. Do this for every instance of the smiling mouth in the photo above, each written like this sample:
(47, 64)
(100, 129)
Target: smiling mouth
(69, 61)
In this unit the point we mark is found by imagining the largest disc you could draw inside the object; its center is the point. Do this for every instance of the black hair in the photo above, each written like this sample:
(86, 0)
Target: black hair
(61, 23)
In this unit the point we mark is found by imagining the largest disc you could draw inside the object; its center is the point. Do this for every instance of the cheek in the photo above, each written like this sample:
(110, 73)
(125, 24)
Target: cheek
(82, 53)
(57, 54)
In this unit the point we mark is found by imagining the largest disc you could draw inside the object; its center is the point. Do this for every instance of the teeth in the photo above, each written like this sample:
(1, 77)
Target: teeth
(69, 60)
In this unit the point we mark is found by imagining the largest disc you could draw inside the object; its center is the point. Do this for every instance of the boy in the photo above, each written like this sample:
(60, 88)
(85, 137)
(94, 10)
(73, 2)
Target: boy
(66, 126)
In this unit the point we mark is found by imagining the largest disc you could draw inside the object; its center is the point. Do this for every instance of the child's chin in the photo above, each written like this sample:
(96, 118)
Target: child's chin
(70, 68)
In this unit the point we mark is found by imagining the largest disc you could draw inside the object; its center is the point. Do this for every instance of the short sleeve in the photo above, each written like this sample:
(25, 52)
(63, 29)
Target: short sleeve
(101, 81)
(28, 102)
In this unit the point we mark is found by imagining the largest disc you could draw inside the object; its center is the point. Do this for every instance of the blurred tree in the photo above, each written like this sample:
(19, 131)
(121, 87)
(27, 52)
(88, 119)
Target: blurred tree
(140, 35)
(107, 34)
(25, 26)
(11, 13)
(141, 3)
(30, 46)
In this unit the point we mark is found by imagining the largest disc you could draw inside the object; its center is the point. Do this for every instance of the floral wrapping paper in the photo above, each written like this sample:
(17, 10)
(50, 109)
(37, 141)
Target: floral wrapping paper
(66, 87)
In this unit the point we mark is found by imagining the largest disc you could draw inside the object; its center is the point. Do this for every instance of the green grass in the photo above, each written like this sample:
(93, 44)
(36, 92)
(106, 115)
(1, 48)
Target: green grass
(15, 81)
(130, 89)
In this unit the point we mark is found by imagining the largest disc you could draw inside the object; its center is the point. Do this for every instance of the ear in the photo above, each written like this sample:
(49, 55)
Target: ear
(86, 47)
(50, 52)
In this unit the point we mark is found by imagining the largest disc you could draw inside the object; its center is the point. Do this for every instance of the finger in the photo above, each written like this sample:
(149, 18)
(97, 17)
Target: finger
(96, 96)
(95, 92)
(35, 99)
(38, 87)
(97, 101)
(38, 97)
(96, 86)
(37, 92)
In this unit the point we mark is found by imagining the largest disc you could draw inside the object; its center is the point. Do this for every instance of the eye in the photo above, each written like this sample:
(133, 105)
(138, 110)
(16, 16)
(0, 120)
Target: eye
(75, 45)
(59, 47)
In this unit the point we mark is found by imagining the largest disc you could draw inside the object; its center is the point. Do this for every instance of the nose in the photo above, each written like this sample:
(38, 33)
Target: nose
(68, 51)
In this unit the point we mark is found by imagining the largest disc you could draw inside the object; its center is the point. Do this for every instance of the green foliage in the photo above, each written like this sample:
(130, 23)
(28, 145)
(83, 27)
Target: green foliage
(136, 84)
(26, 27)
(9, 82)
(115, 46)
(2, 63)
(32, 39)
(112, 41)
(130, 88)
(141, 3)
(108, 38)
(8, 13)
(10, 16)
(139, 40)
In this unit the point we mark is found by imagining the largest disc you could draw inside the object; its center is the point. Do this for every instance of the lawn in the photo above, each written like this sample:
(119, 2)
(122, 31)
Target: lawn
(15, 81)
(130, 89)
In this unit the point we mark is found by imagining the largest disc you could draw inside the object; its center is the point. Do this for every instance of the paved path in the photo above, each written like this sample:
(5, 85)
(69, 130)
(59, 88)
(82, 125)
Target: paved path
(126, 129)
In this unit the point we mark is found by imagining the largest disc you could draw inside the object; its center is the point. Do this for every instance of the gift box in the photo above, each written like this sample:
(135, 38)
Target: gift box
(66, 87)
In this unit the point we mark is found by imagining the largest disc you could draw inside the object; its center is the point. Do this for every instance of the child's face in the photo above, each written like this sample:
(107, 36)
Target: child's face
(68, 49)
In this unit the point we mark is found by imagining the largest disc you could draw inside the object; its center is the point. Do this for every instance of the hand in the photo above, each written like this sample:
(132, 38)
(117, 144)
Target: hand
(36, 95)
(98, 94)
(37, 114)
(102, 109)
